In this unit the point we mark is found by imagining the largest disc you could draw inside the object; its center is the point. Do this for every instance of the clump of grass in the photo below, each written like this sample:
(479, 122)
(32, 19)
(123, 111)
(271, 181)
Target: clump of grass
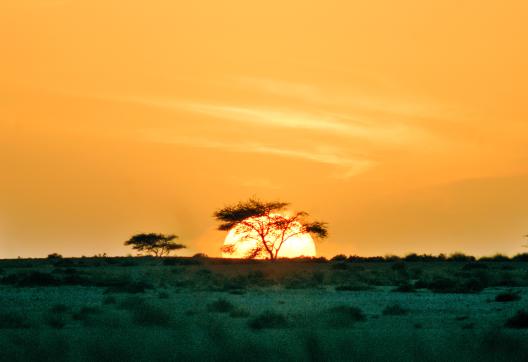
(405, 288)
(353, 287)
(130, 288)
(395, 309)
(239, 313)
(507, 297)
(221, 306)
(268, 320)
(59, 308)
(33, 279)
(13, 321)
(131, 303)
(150, 316)
(85, 314)
(518, 321)
(345, 316)
(109, 300)
(449, 285)
(163, 295)
(56, 321)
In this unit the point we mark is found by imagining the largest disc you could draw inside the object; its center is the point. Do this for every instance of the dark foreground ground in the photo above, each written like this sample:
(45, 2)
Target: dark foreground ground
(142, 309)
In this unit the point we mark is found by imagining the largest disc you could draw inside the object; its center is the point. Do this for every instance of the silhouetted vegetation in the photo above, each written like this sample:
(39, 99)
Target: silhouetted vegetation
(508, 297)
(395, 309)
(263, 222)
(268, 320)
(221, 306)
(518, 321)
(157, 245)
(345, 316)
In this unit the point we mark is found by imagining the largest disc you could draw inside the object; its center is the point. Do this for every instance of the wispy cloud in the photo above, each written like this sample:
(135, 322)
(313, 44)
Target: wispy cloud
(341, 125)
(349, 166)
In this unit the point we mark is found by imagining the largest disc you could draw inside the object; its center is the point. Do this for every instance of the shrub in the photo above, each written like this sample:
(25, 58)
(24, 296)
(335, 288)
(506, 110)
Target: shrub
(59, 308)
(474, 265)
(507, 297)
(449, 285)
(268, 320)
(520, 257)
(353, 287)
(163, 295)
(12, 321)
(340, 266)
(339, 257)
(85, 313)
(220, 306)
(109, 300)
(131, 303)
(345, 316)
(395, 309)
(131, 287)
(239, 313)
(518, 321)
(495, 258)
(405, 288)
(56, 321)
(54, 256)
(399, 266)
(460, 257)
(33, 279)
(150, 316)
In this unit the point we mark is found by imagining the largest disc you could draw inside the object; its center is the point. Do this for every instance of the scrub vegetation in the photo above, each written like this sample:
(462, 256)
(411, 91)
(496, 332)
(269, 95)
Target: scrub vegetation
(418, 307)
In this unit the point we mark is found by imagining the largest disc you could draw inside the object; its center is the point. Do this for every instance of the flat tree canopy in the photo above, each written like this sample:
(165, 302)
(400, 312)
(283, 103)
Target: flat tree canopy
(154, 244)
(266, 219)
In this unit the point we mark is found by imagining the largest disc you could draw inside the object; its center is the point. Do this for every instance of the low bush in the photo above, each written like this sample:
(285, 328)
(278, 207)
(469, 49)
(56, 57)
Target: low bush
(163, 295)
(59, 308)
(129, 287)
(507, 297)
(339, 257)
(56, 321)
(395, 309)
(353, 287)
(220, 306)
(268, 320)
(32, 279)
(150, 316)
(345, 316)
(441, 284)
(13, 321)
(239, 313)
(85, 313)
(518, 321)
(405, 288)
(461, 257)
(109, 300)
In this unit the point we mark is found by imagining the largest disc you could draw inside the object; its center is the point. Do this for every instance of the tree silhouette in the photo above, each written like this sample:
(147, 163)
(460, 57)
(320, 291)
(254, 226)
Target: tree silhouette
(264, 223)
(155, 244)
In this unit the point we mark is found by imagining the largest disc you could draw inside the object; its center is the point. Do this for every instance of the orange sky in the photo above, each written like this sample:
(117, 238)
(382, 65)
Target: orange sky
(402, 124)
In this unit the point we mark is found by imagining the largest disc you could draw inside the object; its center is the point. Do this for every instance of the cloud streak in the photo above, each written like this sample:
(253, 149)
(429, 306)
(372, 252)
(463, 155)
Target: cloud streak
(349, 166)
(341, 125)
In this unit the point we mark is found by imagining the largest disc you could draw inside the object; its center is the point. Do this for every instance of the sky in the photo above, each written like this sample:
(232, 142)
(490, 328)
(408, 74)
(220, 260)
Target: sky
(404, 125)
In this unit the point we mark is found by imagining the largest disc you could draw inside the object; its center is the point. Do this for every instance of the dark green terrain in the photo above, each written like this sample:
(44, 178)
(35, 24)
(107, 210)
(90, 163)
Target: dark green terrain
(201, 309)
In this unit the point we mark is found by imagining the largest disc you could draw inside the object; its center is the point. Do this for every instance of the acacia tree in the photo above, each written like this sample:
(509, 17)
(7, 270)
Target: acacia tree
(264, 222)
(157, 245)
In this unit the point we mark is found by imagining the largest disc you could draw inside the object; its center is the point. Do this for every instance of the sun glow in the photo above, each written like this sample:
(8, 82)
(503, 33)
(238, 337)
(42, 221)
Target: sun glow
(298, 244)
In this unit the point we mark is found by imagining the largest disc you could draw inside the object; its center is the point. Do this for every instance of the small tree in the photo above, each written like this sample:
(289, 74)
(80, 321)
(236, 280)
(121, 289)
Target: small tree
(155, 244)
(263, 222)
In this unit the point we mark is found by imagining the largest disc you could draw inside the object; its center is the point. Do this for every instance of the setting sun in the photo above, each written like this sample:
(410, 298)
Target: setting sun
(299, 244)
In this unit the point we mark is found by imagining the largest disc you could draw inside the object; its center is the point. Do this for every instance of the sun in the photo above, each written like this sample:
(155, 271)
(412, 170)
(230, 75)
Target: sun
(295, 246)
